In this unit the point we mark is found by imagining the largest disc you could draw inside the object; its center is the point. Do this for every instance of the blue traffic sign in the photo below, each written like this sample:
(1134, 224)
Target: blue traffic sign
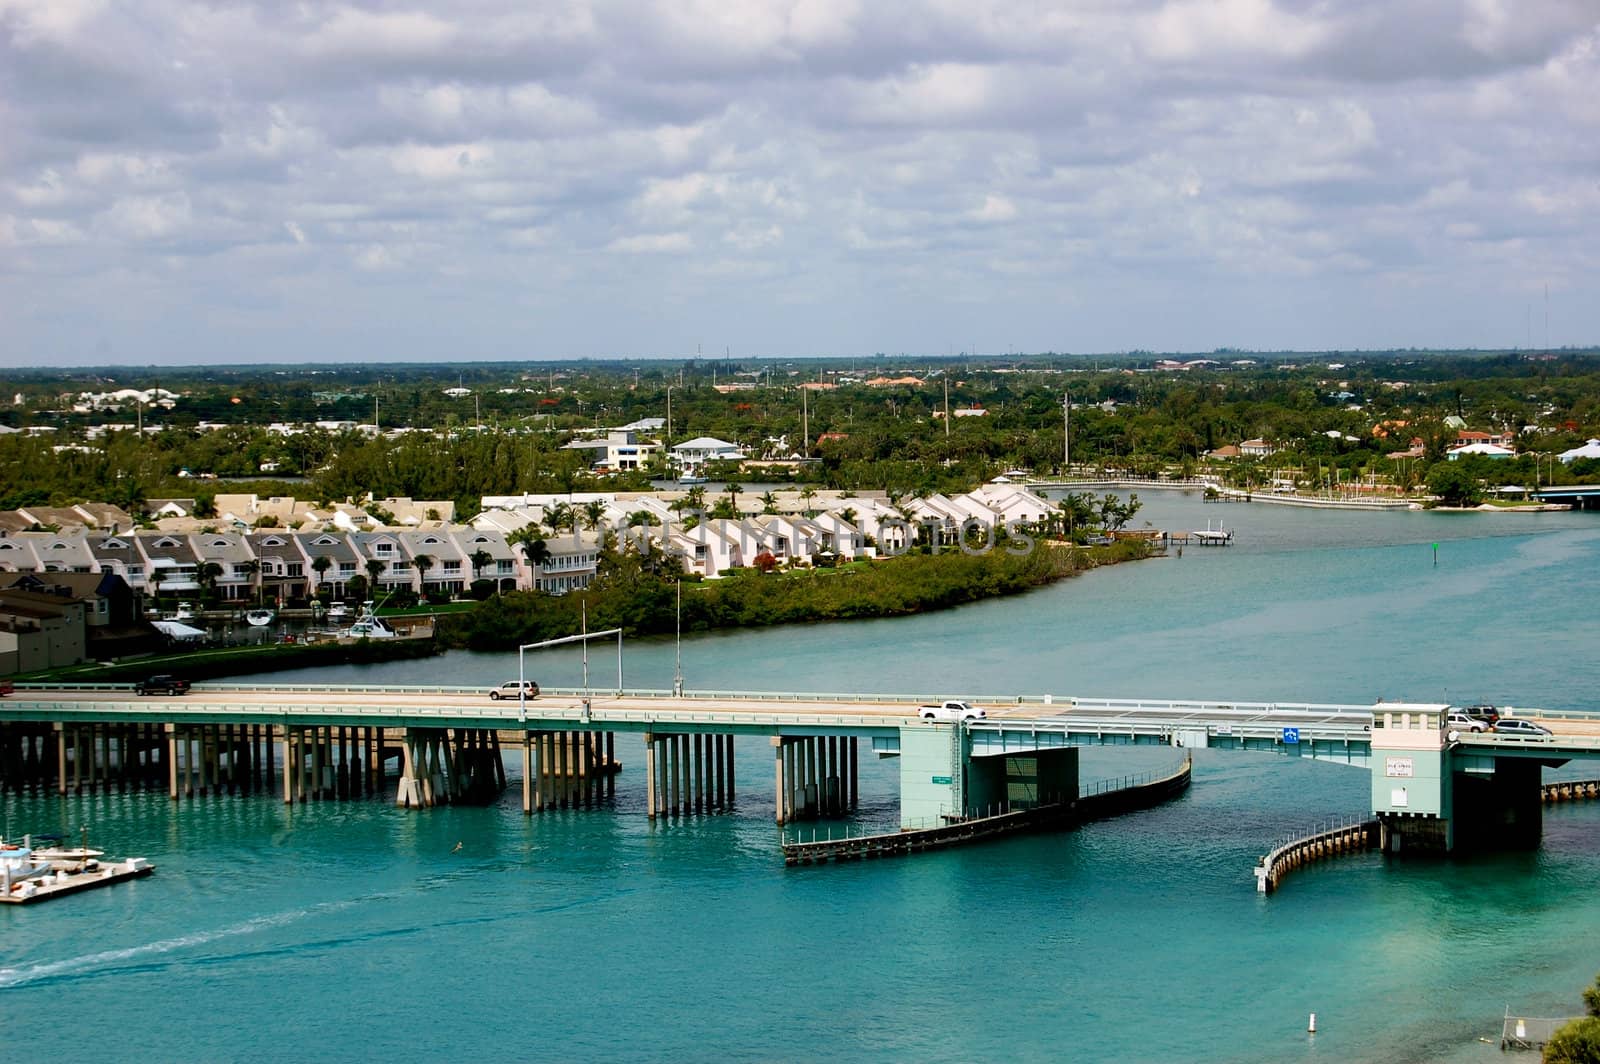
(1291, 735)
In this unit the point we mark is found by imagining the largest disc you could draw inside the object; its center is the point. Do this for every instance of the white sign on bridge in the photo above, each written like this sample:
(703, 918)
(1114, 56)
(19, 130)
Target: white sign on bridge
(1398, 767)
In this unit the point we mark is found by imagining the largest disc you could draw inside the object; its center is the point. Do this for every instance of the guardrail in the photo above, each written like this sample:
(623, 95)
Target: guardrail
(1335, 835)
(1060, 703)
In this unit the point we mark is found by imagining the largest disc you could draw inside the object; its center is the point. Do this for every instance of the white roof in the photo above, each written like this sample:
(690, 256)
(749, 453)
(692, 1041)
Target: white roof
(1588, 450)
(706, 443)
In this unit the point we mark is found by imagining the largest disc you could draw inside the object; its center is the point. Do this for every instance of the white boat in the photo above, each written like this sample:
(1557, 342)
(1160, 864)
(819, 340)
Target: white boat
(692, 479)
(184, 612)
(337, 612)
(18, 864)
(367, 626)
(259, 618)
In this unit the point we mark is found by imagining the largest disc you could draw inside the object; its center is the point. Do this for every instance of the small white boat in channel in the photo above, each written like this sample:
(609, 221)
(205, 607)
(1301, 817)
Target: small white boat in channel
(260, 618)
(338, 613)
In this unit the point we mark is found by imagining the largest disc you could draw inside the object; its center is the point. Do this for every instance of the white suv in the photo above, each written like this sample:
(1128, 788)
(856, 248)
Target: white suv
(509, 690)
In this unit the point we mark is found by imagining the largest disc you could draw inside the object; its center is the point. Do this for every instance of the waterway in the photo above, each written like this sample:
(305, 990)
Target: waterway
(359, 932)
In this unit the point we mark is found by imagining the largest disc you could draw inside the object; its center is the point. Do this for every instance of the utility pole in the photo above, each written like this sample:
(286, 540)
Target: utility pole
(805, 422)
(1066, 433)
(947, 406)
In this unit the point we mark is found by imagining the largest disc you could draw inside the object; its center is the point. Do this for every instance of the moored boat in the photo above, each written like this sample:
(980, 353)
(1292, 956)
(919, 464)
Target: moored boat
(260, 618)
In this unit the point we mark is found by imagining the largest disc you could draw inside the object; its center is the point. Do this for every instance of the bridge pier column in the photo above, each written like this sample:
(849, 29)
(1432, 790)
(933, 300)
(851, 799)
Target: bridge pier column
(854, 766)
(698, 803)
(527, 774)
(649, 775)
(780, 789)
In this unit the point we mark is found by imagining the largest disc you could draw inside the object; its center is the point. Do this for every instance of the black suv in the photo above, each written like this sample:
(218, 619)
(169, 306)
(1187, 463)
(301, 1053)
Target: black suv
(161, 685)
(1486, 713)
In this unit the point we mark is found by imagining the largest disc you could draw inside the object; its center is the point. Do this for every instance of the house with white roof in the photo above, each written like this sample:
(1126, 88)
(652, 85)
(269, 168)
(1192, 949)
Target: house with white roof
(230, 553)
(502, 565)
(691, 455)
(1588, 450)
(1484, 450)
(446, 569)
(572, 562)
(840, 536)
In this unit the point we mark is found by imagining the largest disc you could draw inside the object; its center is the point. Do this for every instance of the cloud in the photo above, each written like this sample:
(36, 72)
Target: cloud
(1264, 169)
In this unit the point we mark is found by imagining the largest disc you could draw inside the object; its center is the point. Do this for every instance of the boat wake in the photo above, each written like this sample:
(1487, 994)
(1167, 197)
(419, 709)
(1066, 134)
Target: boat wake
(132, 958)
(155, 956)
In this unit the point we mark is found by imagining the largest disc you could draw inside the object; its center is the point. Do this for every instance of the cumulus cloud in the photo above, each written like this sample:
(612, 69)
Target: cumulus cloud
(1267, 172)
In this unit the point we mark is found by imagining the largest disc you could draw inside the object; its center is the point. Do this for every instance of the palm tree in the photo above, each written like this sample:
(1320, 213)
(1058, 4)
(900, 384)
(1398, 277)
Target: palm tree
(479, 559)
(537, 551)
(560, 516)
(733, 488)
(320, 565)
(156, 576)
(252, 569)
(375, 568)
(769, 503)
(423, 562)
(808, 493)
(209, 571)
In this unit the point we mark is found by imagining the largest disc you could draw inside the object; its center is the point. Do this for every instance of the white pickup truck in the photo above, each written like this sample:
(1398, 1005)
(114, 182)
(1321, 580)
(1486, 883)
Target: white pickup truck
(951, 710)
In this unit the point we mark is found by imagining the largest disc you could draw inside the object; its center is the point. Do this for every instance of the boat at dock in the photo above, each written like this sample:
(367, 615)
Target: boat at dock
(337, 613)
(19, 864)
(367, 626)
(260, 618)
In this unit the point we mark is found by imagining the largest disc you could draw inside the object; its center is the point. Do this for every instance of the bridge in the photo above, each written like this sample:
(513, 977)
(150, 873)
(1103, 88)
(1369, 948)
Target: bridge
(1432, 788)
(1581, 496)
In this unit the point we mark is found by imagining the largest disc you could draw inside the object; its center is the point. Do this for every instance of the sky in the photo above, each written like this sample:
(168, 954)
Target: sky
(191, 182)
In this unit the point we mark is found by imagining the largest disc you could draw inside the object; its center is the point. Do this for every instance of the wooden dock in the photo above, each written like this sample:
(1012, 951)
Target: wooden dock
(63, 881)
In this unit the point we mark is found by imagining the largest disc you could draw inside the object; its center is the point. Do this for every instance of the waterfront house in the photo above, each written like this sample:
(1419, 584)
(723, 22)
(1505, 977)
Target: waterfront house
(343, 562)
(1482, 450)
(17, 554)
(113, 612)
(503, 566)
(65, 552)
(282, 566)
(1588, 450)
(691, 455)
(572, 563)
(844, 539)
(444, 572)
(383, 552)
(230, 553)
(40, 631)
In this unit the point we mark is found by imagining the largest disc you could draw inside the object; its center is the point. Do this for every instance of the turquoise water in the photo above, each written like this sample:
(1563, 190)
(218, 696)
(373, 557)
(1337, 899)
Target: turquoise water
(352, 932)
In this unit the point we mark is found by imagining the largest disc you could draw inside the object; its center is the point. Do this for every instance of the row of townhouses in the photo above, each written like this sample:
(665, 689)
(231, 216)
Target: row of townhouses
(291, 565)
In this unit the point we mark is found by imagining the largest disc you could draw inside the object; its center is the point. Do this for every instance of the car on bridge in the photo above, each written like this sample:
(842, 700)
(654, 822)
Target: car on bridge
(509, 689)
(1483, 712)
(1459, 721)
(161, 684)
(952, 710)
(1521, 729)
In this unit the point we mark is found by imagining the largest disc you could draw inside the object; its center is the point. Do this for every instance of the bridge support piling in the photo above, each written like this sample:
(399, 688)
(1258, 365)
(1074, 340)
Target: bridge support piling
(649, 775)
(527, 774)
(780, 788)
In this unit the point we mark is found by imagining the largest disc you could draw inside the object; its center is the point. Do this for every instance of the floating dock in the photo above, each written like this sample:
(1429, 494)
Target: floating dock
(65, 880)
